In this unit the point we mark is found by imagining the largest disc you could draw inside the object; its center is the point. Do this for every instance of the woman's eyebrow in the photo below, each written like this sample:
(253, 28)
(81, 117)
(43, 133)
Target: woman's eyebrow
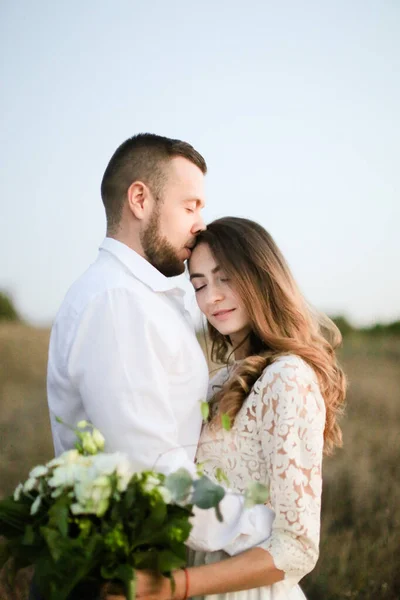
(214, 270)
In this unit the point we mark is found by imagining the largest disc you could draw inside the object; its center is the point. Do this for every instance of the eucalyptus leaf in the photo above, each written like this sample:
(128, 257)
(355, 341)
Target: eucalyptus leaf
(179, 484)
(207, 494)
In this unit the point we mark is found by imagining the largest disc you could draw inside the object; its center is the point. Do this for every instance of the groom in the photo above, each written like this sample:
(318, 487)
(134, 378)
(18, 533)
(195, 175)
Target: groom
(123, 353)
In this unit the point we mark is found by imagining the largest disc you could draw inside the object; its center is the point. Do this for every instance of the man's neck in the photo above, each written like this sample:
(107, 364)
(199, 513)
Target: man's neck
(133, 242)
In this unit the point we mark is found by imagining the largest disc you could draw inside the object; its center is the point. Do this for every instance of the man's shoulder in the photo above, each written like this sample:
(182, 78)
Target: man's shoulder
(101, 279)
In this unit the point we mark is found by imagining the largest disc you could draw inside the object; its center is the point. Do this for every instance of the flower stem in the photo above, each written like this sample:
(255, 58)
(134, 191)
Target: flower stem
(131, 587)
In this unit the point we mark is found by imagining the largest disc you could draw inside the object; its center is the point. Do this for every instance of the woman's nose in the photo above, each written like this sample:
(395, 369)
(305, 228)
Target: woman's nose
(215, 294)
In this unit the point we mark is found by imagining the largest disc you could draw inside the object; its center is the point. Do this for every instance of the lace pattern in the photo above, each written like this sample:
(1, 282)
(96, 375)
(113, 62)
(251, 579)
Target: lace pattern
(277, 439)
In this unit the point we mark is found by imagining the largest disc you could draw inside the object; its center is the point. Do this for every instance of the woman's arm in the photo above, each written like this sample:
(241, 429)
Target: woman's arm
(292, 418)
(251, 569)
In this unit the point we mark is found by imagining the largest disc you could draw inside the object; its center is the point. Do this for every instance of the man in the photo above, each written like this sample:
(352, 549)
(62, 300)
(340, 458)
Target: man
(123, 354)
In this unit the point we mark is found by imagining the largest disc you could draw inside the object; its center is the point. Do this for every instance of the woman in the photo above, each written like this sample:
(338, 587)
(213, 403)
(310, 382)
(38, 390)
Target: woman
(282, 394)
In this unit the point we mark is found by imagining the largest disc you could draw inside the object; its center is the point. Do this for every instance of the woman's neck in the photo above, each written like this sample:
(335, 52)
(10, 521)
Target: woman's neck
(241, 345)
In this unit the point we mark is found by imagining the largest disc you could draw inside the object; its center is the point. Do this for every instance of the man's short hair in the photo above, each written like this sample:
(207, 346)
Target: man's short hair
(142, 157)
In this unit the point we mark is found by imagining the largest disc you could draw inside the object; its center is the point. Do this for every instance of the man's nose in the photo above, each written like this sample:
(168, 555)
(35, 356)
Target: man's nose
(199, 225)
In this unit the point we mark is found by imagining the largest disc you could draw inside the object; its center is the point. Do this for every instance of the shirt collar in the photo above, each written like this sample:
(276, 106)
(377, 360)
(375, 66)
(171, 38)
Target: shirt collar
(140, 267)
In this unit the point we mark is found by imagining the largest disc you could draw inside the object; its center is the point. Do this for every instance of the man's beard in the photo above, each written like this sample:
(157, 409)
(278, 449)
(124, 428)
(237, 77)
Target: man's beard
(158, 251)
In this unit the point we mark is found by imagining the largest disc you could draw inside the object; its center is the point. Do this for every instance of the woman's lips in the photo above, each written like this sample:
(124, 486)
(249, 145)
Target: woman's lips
(221, 315)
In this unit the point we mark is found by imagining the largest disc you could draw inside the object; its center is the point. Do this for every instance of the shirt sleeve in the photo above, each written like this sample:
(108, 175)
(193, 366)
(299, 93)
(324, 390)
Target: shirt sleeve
(292, 416)
(118, 362)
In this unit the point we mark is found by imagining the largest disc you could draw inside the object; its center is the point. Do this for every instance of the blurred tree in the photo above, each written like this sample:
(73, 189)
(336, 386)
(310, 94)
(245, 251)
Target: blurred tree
(382, 330)
(8, 312)
(343, 325)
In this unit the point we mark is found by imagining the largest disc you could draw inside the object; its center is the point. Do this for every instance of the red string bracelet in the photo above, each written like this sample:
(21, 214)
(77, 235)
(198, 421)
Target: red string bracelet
(186, 596)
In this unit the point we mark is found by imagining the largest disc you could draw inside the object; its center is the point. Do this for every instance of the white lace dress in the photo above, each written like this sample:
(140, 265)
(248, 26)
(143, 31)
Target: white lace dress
(277, 439)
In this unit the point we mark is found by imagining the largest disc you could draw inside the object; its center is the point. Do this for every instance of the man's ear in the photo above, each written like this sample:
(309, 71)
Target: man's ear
(139, 199)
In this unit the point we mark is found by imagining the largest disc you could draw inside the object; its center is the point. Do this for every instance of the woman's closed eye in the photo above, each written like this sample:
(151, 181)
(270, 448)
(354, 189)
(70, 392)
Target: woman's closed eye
(200, 287)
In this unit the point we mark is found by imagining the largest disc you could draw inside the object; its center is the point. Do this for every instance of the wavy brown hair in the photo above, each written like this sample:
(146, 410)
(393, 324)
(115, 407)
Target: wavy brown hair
(281, 320)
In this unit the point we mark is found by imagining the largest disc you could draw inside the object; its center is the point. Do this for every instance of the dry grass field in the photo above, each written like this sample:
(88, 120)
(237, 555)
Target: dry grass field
(360, 542)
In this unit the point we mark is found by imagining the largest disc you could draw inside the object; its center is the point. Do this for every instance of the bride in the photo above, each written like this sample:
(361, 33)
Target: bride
(282, 394)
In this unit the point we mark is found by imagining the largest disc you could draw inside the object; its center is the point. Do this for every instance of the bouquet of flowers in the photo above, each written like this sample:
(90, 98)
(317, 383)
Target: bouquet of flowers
(85, 518)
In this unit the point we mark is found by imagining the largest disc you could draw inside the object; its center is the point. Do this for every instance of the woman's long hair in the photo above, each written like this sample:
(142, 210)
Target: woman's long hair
(281, 321)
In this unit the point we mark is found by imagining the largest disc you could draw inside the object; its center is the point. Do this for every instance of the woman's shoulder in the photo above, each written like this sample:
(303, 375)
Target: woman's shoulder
(288, 368)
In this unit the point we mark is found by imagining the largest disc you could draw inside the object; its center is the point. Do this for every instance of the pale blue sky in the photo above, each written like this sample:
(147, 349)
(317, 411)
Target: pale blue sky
(295, 106)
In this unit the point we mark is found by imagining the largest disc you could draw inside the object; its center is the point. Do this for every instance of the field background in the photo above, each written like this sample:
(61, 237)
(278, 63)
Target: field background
(360, 541)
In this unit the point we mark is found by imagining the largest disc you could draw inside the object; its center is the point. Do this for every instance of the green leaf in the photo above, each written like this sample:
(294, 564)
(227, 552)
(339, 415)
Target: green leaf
(206, 493)
(225, 422)
(146, 559)
(59, 514)
(4, 552)
(218, 513)
(14, 516)
(56, 580)
(179, 484)
(52, 538)
(29, 536)
(168, 561)
(205, 410)
(126, 574)
(256, 493)
(221, 476)
(200, 468)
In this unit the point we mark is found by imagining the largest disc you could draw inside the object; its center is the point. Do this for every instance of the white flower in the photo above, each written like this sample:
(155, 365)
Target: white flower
(92, 496)
(30, 484)
(36, 504)
(98, 439)
(68, 457)
(17, 492)
(88, 444)
(151, 483)
(118, 463)
(77, 509)
(38, 471)
(66, 475)
(57, 492)
(165, 494)
(108, 463)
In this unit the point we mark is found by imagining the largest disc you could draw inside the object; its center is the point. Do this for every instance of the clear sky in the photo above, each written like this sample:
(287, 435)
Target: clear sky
(295, 106)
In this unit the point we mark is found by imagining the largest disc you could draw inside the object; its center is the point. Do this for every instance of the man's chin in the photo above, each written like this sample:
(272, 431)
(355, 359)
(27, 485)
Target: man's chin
(173, 270)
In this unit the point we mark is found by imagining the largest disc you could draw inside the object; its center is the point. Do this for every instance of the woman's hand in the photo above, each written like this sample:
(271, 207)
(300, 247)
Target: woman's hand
(149, 586)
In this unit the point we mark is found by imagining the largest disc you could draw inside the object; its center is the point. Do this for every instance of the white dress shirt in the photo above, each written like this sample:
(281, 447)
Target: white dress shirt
(124, 355)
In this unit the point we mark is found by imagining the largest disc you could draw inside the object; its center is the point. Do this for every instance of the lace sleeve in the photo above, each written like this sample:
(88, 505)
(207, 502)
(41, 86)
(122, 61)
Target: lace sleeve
(292, 418)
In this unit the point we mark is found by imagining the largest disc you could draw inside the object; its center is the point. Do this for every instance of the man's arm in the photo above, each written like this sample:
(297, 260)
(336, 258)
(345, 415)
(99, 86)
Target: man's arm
(118, 362)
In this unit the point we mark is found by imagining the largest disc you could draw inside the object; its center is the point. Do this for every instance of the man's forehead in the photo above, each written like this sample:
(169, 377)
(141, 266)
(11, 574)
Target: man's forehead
(184, 170)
